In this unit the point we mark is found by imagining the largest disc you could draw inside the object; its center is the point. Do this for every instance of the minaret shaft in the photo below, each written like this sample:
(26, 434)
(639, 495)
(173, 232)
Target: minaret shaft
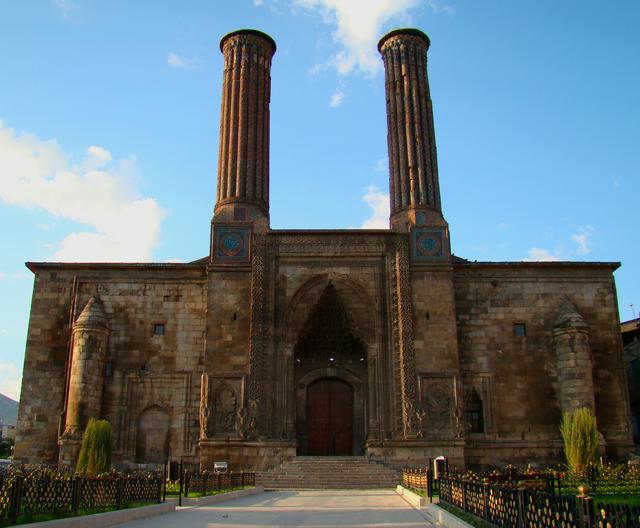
(413, 169)
(243, 154)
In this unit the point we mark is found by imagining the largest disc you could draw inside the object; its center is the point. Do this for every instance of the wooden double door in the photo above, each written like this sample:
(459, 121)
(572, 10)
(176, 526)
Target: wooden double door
(330, 418)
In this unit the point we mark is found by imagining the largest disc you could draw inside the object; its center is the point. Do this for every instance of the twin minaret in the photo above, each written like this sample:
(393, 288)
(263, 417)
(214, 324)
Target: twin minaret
(243, 160)
(243, 156)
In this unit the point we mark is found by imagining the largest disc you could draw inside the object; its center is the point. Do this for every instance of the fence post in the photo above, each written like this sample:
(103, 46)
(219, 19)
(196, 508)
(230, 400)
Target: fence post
(180, 485)
(430, 484)
(586, 511)
(204, 483)
(160, 484)
(164, 482)
(522, 508)
(75, 494)
(16, 498)
(485, 496)
(119, 491)
(464, 496)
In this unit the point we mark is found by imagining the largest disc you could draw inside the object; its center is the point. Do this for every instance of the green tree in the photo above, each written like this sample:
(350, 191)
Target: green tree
(95, 452)
(580, 435)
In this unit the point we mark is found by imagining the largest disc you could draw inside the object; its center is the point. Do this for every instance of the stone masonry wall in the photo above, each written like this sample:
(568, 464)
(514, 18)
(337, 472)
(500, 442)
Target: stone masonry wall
(42, 394)
(517, 376)
(142, 370)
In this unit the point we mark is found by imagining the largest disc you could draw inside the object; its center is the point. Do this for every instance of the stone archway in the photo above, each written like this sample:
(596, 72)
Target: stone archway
(152, 441)
(329, 348)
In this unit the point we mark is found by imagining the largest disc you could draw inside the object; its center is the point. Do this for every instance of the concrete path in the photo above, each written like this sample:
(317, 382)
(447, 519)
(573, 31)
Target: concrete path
(319, 509)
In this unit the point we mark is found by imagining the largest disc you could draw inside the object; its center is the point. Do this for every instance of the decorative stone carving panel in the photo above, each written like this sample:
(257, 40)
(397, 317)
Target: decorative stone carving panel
(225, 412)
(439, 405)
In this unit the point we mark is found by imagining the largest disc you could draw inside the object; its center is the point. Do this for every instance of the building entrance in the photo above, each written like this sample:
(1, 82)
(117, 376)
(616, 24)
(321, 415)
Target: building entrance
(330, 418)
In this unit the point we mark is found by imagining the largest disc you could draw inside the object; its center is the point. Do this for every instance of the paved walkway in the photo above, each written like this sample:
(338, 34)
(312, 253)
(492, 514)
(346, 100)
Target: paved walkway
(319, 509)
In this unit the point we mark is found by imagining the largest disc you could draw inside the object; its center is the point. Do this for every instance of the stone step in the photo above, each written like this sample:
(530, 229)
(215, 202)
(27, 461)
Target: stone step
(329, 473)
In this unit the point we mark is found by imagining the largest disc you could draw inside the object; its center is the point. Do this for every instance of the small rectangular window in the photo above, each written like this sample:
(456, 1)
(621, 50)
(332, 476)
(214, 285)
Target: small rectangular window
(520, 330)
(158, 329)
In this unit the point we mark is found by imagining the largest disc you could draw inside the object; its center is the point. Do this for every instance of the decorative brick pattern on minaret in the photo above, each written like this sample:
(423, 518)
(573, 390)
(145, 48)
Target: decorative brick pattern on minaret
(413, 168)
(243, 157)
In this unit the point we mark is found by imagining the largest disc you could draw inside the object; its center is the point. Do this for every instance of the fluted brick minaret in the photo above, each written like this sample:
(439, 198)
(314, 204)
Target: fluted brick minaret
(243, 158)
(413, 168)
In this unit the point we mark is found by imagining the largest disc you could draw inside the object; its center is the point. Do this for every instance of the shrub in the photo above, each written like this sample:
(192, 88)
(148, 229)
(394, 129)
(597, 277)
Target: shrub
(95, 452)
(580, 436)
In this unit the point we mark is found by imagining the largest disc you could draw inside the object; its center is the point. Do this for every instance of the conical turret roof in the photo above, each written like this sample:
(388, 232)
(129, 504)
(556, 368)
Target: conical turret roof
(93, 314)
(569, 317)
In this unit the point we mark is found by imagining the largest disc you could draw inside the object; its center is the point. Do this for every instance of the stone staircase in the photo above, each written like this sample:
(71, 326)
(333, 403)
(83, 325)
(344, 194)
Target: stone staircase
(323, 472)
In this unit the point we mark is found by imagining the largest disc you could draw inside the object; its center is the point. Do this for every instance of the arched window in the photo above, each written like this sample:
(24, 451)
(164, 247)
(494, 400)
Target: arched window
(473, 411)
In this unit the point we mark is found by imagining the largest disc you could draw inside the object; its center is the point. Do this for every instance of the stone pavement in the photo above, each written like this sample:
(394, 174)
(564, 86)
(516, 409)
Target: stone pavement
(319, 509)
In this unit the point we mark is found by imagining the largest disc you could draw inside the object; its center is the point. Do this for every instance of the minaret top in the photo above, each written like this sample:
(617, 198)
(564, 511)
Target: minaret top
(404, 31)
(248, 32)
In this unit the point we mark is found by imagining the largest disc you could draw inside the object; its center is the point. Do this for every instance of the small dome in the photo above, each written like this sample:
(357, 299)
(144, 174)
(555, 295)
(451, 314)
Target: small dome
(569, 317)
(93, 314)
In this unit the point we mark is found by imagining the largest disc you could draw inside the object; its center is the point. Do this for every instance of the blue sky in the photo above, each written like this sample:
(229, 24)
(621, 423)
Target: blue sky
(109, 118)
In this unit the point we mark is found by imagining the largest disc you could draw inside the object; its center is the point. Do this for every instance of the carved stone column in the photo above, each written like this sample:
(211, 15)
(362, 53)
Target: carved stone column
(404, 351)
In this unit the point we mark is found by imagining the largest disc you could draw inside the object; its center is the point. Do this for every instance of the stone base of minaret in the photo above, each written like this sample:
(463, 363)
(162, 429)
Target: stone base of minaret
(69, 449)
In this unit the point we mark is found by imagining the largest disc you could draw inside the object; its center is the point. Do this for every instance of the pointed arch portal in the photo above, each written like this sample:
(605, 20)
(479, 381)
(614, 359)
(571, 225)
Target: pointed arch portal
(330, 370)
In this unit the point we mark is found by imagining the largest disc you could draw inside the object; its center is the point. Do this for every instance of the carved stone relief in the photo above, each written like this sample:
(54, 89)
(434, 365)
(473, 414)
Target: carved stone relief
(225, 409)
(438, 404)
(224, 414)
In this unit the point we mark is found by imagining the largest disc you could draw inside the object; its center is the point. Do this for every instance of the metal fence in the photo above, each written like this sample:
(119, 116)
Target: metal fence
(509, 507)
(182, 479)
(55, 492)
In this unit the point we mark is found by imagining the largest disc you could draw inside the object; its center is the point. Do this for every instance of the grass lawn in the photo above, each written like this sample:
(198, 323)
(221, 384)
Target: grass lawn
(632, 499)
(197, 494)
(466, 517)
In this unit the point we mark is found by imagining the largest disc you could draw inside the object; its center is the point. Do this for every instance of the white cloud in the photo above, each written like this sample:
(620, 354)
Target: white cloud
(542, 255)
(8, 368)
(258, 3)
(358, 24)
(583, 240)
(4, 332)
(64, 7)
(382, 165)
(176, 61)
(378, 201)
(44, 227)
(503, 225)
(99, 153)
(174, 261)
(336, 99)
(37, 173)
(10, 381)
(11, 387)
(3, 275)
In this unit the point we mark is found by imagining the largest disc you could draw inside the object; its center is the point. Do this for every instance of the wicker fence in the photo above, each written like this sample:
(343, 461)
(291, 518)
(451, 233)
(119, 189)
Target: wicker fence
(523, 508)
(46, 492)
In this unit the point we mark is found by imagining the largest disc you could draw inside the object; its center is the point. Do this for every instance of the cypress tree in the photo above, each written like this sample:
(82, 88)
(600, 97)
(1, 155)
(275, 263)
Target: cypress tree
(95, 452)
(580, 435)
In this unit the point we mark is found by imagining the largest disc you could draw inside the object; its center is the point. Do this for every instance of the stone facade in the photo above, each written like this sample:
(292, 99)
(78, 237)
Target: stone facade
(284, 343)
